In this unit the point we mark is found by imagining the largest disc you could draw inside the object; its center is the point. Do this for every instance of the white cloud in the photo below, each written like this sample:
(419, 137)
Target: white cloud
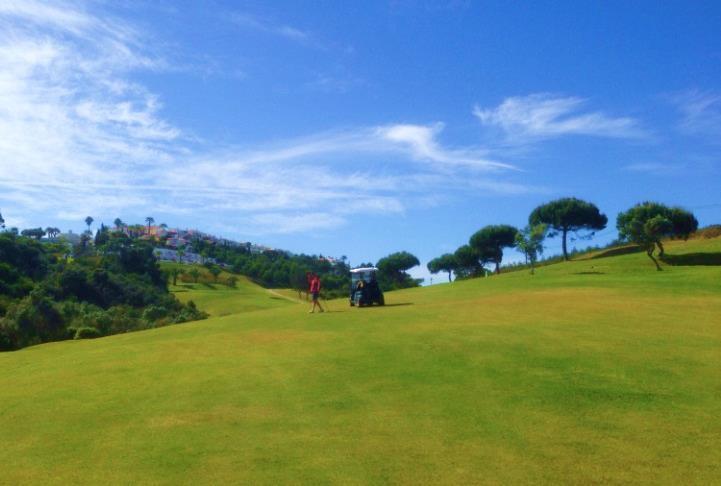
(700, 113)
(81, 136)
(541, 116)
(421, 142)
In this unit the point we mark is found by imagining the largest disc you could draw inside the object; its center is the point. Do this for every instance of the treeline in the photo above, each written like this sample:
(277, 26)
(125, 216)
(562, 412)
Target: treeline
(646, 224)
(280, 269)
(46, 294)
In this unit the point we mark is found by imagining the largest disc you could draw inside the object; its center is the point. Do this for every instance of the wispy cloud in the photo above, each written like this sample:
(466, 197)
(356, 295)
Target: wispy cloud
(700, 113)
(656, 168)
(266, 26)
(81, 136)
(535, 117)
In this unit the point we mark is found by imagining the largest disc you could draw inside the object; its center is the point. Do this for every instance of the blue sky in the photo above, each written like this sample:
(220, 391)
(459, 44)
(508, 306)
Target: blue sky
(355, 128)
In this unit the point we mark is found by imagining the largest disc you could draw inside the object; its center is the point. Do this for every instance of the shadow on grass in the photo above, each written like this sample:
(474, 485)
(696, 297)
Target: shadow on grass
(693, 259)
(590, 273)
(623, 250)
(401, 304)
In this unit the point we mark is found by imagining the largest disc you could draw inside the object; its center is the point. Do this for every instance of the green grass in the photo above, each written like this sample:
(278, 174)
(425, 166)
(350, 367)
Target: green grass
(221, 300)
(597, 370)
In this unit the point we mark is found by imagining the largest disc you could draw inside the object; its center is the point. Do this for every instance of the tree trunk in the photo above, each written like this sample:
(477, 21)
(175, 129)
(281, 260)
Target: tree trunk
(565, 251)
(660, 249)
(498, 267)
(449, 275)
(649, 252)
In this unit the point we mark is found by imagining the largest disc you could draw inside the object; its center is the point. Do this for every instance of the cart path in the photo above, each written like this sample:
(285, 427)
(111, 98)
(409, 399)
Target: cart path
(291, 299)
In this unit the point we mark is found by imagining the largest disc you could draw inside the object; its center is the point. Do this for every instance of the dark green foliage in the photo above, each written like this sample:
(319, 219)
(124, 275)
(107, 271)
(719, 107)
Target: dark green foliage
(35, 233)
(86, 333)
(467, 264)
(33, 320)
(568, 215)
(392, 270)
(102, 236)
(279, 269)
(444, 263)
(297, 279)
(25, 255)
(44, 298)
(648, 223)
(488, 243)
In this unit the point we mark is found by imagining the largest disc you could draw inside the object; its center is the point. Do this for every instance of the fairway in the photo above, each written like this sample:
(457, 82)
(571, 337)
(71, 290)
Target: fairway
(220, 300)
(595, 370)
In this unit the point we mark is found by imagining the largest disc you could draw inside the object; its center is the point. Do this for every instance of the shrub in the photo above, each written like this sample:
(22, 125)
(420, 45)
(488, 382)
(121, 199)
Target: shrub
(713, 231)
(33, 320)
(154, 312)
(86, 332)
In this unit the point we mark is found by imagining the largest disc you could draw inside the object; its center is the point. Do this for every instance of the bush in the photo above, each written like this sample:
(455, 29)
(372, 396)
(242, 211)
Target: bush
(713, 231)
(154, 312)
(33, 320)
(86, 332)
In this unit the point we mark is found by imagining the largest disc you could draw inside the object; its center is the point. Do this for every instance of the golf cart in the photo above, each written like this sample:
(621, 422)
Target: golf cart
(364, 289)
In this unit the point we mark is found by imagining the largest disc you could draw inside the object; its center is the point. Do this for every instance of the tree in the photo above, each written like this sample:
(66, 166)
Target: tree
(568, 215)
(392, 269)
(118, 224)
(467, 264)
(214, 271)
(2, 222)
(181, 253)
(85, 240)
(194, 274)
(175, 272)
(489, 242)
(149, 220)
(232, 281)
(298, 280)
(530, 241)
(35, 233)
(647, 223)
(89, 220)
(102, 236)
(444, 263)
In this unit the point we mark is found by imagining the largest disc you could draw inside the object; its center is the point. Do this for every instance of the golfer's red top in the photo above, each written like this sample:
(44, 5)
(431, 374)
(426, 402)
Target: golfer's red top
(315, 285)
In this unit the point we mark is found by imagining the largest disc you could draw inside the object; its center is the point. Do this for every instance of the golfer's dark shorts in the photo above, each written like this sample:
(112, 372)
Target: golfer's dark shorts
(315, 296)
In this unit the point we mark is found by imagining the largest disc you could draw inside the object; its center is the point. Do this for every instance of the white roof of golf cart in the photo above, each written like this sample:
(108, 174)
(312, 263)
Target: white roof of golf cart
(364, 269)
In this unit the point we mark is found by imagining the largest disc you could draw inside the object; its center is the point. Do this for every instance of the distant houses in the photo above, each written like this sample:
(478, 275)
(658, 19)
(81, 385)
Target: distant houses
(171, 255)
(168, 242)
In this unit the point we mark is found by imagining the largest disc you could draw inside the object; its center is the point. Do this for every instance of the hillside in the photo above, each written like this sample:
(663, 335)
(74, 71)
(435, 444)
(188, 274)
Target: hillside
(596, 370)
(218, 299)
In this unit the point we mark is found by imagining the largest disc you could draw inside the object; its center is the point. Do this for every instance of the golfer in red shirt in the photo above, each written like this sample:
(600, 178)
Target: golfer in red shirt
(315, 291)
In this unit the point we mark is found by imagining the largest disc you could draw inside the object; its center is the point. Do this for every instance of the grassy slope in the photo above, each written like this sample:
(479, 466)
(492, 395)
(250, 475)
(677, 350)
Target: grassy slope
(595, 370)
(220, 300)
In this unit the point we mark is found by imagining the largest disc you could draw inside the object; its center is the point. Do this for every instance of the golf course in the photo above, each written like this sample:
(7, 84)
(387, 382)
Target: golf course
(600, 369)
